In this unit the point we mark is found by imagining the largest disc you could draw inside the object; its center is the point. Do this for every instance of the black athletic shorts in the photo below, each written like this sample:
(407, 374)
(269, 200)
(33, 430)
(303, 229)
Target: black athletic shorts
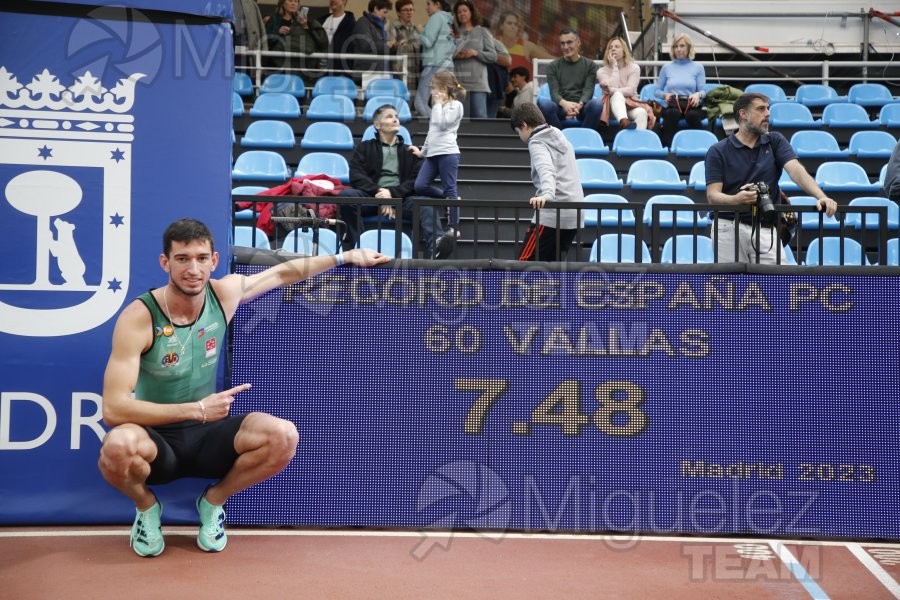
(193, 449)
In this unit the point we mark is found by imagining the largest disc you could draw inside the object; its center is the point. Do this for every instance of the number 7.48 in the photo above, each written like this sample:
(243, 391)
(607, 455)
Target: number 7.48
(619, 414)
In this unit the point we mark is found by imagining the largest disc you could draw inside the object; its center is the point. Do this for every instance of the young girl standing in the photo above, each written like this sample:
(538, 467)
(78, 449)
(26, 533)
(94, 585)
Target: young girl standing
(440, 150)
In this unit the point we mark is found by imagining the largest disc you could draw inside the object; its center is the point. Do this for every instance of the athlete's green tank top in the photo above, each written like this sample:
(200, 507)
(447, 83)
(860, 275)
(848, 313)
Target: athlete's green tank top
(180, 366)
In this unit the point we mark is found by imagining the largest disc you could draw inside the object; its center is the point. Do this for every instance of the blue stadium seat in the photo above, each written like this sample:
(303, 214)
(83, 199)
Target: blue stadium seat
(275, 105)
(881, 176)
(246, 216)
(386, 87)
(598, 174)
(810, 220)
(263, 165)
(400, 104)
(654, 174)
(790, 114)
(251, 237)
(673, 218)
(855, 219)
(681, 249)
(284, 83)
(326, 163)
(638, 142)
(268, 134)
(889, 115)
(369, 134)
(335, 85)
(847, 115)
(301, 241)
(237, 105)
(774, 92)
(384, 240)
(242, 84)
(844, 176)
(697, 178)
(814, 143)
(648, 92)
(872, 144)
(586, 141)
(827, 251)
(327, 135)
(817, 94)
(331, 108)
(616, 248)
(893, 252)
(608, 217)
(693, 142)
(543, 92)
(869, 94)
(786, 184)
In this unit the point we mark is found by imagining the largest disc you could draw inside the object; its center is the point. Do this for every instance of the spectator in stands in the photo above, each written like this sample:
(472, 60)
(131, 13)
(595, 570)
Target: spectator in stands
(682, 87)
(733, 165)
(338, 25)
(437, 50)
(474, 50)
(571, 80)
(524, 91)
(405, 37)
(384, 167)
(619, 78)
(440, 150)
(159, 396)
(498, 79)
(290, 31)
(892, 175)
(554, 173)
(511, 31)
(370, 37)
(249, 27)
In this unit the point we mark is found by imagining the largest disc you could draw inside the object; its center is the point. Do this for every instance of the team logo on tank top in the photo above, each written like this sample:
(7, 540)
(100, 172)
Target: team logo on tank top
(170, 359)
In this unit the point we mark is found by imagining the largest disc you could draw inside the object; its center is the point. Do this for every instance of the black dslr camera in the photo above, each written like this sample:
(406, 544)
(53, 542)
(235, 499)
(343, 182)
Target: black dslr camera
(767, 214)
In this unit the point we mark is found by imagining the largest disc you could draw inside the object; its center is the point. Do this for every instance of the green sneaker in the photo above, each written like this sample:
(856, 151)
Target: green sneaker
(211, 537)
(146, 532)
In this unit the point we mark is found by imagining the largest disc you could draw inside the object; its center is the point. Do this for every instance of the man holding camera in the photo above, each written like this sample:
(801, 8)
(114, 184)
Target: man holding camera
(735, 167)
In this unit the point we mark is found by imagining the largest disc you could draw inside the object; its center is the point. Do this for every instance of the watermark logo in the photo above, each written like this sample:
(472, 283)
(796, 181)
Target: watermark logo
(116, 41)
(461, 495)
(65, 180)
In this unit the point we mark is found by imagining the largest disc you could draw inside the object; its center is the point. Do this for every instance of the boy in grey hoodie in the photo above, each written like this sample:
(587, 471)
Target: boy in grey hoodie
(554, 173)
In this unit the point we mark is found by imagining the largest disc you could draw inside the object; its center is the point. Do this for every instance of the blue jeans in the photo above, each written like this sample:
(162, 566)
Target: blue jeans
(351, 214)
(423, 92)
(475, 105)
(447, 166)
(588, 117)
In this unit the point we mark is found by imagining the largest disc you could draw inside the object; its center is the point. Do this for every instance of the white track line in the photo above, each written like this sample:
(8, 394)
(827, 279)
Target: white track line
(492, 535)
(797, 569)
(876, 569)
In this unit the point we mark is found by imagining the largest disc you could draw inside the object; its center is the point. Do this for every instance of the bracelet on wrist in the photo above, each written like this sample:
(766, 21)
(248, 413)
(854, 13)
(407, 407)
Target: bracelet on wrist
(340, 259)
(202, 410)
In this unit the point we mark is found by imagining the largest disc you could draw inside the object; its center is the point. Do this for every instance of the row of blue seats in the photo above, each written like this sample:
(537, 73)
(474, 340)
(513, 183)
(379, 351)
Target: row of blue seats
(324, 241)
(608, 248)
(329, 135)
(330, 85)
(595, 173)
(813, 95)
(695, 249)
(278, 105)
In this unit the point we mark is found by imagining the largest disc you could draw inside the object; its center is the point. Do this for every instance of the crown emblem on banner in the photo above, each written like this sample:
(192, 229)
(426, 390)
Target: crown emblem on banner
(46, 105)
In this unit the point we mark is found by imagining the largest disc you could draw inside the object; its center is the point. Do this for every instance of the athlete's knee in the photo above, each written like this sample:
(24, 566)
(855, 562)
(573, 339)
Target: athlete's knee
(120, 451)
(284, 439)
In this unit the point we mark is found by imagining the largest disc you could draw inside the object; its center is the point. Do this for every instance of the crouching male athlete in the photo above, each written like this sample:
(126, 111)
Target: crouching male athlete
(165, 348)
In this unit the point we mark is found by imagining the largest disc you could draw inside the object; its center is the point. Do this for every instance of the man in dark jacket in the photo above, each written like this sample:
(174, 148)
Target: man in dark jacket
(339, 25)
(384, 168)
(370, 37)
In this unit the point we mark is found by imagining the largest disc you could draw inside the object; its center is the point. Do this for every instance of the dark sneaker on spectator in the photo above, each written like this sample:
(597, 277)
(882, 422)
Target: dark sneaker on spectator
(445, 245)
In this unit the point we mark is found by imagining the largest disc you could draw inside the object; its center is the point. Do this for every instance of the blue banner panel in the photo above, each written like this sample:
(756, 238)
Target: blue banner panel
(656, 402)
(223, 9)
(111, 127)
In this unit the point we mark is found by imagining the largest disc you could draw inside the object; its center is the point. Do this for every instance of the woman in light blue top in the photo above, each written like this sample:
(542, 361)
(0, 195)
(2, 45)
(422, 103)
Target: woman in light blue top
(440, 150)
(437, 50)
(681, 86)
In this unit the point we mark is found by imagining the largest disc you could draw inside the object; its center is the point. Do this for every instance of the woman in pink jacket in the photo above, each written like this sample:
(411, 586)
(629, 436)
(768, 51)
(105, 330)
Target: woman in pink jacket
(619, 78)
